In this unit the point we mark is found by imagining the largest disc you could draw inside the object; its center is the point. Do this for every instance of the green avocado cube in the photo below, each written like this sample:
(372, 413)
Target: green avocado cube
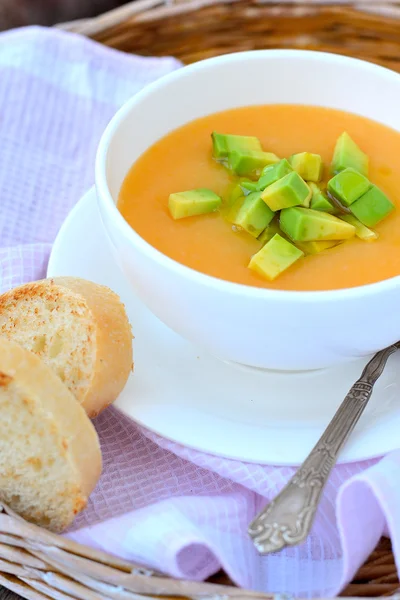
(193, 202)
(272, 173)
(348, 154)
(249, 162)
(309, 166)
(251, 214)
(223, 144)
(270, 231)
(248, 186)
(307, 225)
(316, 247)
(275, 257)
(348, 186)
(319, 201)
(372, 207)
(233, 194)
(290, 190)
(362, 231)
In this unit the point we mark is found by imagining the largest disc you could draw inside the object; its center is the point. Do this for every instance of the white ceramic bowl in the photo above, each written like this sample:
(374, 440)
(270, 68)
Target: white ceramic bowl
(257, 327)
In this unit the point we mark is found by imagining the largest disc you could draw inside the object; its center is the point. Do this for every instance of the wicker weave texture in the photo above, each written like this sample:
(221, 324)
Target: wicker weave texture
(193, 30)
(38, 564)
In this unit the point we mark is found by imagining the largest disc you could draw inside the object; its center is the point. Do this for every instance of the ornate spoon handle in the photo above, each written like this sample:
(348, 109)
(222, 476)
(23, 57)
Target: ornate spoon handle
(287, 520)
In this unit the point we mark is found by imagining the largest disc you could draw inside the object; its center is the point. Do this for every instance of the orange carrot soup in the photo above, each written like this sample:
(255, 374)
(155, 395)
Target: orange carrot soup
(279, 196)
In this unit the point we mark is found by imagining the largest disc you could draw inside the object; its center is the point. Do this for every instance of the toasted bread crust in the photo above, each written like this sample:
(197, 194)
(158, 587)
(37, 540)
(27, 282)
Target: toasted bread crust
(113, 334)
(49, 481)
(109, 336)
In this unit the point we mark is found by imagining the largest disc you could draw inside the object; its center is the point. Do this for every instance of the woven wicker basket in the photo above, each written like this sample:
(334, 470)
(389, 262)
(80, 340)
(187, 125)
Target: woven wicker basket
(39, 565)
(195, 29)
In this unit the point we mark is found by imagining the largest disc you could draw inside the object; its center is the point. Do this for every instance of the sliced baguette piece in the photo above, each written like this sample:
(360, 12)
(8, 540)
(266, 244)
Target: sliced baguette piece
(50, 457)
(78, 328)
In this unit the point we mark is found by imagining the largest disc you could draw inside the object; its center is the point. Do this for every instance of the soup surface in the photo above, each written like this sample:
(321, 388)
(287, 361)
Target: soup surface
(183, 160)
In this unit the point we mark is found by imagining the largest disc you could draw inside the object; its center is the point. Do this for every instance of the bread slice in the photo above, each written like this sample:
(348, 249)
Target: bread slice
(50, 457)
(78, 328)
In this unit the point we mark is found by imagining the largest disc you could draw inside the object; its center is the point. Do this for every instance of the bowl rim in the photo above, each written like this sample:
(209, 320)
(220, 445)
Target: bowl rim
(104, 195)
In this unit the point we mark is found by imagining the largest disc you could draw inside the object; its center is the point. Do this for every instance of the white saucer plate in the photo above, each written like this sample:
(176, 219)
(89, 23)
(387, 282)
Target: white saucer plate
(183, 394)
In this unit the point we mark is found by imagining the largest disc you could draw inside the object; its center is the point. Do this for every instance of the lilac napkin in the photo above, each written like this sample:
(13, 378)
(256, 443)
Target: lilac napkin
(159, 503)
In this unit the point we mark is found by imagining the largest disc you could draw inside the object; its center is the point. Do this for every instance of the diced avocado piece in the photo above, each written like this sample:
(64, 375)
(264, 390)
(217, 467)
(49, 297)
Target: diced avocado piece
(309, 166)
(361, 230)
(319, 201)
(193, 202)
(249, 162)
(348, 186)
(372, 207)
(234, 193)
(223, 144)
(275, 257)
(220, 146)
(248, 186)
(251, 214)
(290, 190)
(307, 200)
(272, 173)
(348, 154)
(270, 231)
(315, 247)
(307, 225)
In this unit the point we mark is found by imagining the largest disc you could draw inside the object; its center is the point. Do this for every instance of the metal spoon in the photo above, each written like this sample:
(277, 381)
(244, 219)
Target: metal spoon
(287, 520)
